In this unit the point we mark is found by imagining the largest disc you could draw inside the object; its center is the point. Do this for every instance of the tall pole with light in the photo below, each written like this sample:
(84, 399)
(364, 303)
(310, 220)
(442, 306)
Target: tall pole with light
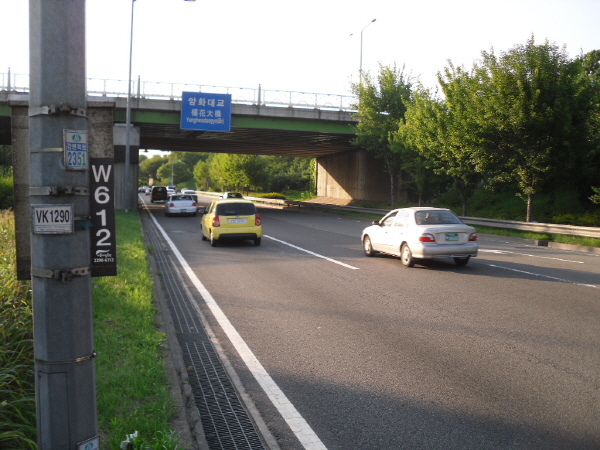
(361, 44)
(128, 118)
(128, 115)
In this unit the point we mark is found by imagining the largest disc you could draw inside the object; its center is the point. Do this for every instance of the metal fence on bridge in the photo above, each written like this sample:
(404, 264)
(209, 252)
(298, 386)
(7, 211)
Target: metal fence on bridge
(172, 91)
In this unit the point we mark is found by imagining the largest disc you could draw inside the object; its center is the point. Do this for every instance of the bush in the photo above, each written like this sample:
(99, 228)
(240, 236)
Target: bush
(6, 191)
(273, 195)
(584, 220)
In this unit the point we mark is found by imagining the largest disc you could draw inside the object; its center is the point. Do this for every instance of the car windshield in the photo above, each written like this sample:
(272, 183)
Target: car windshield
(434, 217)
(180, 197)
(235, 209)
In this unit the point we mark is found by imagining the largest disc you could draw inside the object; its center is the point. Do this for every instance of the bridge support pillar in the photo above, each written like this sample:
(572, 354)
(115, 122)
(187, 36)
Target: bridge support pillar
(352, 176)
(119, 136)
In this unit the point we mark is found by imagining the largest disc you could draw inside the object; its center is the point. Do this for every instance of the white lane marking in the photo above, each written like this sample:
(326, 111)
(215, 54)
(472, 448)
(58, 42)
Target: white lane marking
(500, 252)
(312, 253)
(296, 422)
(544, 276)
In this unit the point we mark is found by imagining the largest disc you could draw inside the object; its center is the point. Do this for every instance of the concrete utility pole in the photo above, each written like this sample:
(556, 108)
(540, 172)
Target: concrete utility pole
(60, 241)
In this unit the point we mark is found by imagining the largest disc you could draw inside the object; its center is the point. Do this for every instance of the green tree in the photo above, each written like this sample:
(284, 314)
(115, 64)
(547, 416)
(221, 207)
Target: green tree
(174, 173)
(381, 106)
(527, 102)
(590, 166)
(443, 131)
(149, 167)
(287, 172)
(202, 175)
(232, 171)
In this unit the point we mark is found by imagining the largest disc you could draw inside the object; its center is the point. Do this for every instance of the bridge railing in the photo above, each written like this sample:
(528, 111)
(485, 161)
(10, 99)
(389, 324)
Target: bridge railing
(172, 91)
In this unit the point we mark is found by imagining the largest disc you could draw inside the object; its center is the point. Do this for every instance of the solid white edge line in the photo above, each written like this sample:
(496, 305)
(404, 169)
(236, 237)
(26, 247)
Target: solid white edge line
(312, 253)
(299, 426)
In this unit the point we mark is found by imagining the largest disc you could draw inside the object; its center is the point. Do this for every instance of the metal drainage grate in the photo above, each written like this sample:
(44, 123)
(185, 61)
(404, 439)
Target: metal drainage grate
(226, 423)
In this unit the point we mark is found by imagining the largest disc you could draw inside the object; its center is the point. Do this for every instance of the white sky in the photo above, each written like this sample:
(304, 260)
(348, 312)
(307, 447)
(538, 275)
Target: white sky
(304, 45)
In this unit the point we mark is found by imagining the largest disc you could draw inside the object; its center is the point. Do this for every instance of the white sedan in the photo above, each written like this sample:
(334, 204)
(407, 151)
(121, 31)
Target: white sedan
(421, 233)
(180, 204)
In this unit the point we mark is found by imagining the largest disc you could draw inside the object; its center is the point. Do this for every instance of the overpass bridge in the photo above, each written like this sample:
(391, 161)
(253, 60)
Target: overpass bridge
(264, 122)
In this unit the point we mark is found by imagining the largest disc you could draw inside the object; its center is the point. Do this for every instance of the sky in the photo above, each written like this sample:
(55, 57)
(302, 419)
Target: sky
(307, 46)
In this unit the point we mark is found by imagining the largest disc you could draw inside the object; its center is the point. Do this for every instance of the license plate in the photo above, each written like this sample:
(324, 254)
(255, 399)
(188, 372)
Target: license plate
(237, 220)
(183, 210)
(452, 236)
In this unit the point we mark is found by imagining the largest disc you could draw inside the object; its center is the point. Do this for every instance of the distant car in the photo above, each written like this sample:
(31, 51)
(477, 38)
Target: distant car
(147, 191)
(190, 192)
(231, 219)
(171, 192)
(158, 193)
(173, 188)
(180, 204)
(421, 233)
(232, 195)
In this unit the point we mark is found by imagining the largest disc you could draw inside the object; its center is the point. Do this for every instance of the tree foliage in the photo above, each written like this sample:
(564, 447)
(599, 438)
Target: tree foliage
(442, 133)
(532, 115)
(149, 167)
(233, 171)
(382, 103)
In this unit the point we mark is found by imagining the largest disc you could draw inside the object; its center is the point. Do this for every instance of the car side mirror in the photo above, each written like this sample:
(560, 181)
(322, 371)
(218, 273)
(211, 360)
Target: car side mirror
(375, 222)
(201, 211)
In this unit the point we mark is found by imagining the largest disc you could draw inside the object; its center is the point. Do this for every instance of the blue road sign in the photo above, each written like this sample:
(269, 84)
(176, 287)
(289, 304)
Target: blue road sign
(205, 111)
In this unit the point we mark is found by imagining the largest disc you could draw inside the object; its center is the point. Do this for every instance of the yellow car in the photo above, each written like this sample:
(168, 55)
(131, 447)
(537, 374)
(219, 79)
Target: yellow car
(231, 219)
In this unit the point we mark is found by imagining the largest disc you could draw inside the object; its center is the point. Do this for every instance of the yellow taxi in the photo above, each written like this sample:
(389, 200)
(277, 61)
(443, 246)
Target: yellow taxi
(231, 219)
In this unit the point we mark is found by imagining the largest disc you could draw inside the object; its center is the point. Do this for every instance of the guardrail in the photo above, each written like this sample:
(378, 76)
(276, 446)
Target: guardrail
(568, 230)
(172, 91)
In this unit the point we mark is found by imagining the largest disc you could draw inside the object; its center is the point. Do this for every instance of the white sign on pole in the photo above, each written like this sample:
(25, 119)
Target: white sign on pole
(52, 219)
(76, 149)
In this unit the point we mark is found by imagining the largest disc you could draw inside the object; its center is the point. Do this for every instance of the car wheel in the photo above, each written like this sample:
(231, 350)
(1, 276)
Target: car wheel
(257, 241)
(406, 256)
(166, 213)
(213, 241)
(367, 246)
(194, 214)
(462, 261)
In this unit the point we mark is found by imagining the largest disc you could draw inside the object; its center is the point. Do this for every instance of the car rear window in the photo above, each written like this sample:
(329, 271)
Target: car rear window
(160, 189)
(436, 217)
(236, 209)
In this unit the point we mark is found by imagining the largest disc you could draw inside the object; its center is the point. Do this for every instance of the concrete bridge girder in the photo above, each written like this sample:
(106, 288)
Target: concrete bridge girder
(342, 171)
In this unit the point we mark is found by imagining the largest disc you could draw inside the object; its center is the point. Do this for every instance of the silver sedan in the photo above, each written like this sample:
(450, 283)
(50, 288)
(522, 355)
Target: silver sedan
(180, 204)
(421, 233)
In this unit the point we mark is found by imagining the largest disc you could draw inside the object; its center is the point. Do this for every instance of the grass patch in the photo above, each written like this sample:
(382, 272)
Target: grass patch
(17, 392)
(132, 387)
(561, 238)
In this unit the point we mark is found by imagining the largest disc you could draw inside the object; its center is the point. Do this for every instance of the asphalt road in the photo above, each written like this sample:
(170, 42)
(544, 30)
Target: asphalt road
(501, 354)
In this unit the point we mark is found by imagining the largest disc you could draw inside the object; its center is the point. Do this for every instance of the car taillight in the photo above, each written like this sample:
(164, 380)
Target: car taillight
(193, 203)
(172, 205)
(216, 221)
(426, 237)
(473, 237)
(257, 219)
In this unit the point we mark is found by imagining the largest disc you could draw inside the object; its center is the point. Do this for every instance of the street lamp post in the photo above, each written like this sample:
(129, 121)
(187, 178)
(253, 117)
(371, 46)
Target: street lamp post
(172, 176)
(128, 115)
(128, 118)
(361, 44)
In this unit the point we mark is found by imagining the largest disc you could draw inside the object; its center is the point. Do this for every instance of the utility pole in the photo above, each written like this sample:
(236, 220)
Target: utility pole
(60, 236)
